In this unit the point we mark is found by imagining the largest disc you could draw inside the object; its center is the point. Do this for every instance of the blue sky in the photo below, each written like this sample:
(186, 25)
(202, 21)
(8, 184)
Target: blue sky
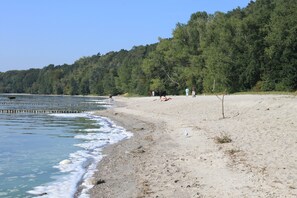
(36, 33)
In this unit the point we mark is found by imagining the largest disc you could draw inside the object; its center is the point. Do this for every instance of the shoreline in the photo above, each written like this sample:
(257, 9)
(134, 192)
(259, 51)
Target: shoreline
(174, 152)
(126, 153)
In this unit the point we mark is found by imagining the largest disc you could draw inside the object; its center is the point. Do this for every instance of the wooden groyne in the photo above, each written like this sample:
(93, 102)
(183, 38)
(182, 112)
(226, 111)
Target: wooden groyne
(39, 111)
(31, 104)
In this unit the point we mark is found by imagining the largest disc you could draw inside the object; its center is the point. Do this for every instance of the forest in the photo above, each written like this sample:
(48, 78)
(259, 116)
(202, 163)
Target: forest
(246, 49)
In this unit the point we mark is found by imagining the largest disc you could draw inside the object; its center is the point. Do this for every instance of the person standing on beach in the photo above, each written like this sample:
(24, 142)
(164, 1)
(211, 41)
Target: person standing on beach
(193, 92)
(187, 91)
(110, 99)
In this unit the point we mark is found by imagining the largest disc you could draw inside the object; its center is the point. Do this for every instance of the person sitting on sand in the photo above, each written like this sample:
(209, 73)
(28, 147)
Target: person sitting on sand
(164, 98)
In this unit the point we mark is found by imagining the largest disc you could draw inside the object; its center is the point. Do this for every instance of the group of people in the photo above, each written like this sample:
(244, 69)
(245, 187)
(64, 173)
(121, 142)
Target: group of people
(164, 98)
(193, 92)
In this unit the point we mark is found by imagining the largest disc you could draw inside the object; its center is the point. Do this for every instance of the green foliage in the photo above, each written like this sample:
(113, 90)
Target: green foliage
(157, 85)
(249, 49)
(281, 46)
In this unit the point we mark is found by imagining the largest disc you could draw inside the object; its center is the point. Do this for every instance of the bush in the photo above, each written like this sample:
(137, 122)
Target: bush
(223, 139)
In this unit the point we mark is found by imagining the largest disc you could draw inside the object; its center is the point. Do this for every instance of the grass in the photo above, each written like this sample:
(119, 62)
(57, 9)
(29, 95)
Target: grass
(232, 152)
(223, 139)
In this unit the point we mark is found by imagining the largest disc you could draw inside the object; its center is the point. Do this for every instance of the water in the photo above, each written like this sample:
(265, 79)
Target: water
(51, 154)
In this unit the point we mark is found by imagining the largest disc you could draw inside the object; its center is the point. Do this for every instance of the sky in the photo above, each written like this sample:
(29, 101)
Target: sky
(36, 33)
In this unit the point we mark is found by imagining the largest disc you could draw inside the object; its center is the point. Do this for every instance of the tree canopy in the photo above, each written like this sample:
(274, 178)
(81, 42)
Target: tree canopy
(252, 48)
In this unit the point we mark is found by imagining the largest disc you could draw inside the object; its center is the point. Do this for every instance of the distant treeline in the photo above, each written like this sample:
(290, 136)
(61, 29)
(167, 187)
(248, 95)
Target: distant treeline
(254, 48)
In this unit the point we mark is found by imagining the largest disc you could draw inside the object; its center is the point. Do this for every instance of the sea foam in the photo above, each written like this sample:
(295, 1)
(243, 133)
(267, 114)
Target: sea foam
(80, 166)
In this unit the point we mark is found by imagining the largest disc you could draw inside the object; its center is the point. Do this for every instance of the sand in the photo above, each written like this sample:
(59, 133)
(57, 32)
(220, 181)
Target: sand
(175, 150)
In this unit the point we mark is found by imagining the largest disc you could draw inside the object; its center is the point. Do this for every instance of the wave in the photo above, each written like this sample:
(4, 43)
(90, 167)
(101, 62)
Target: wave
(79, 167)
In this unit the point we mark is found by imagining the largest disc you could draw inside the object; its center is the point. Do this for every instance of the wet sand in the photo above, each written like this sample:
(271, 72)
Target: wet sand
(176, 149)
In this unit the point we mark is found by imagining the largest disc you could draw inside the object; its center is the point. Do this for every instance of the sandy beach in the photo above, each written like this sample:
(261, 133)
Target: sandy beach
(179, 148)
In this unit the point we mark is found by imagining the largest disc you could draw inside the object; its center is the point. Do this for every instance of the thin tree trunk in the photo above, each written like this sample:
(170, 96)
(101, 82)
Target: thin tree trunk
(223, 109)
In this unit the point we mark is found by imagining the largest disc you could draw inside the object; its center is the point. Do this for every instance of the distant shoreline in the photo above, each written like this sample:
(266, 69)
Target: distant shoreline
(27, 94)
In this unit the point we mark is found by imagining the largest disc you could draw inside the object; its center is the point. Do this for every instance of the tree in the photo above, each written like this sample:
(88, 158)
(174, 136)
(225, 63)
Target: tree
(282, 46)
(157, 85)
(73, 89)
(253, 48)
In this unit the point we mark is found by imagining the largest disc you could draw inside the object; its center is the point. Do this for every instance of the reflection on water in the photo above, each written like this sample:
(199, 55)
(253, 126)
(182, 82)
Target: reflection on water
(40, 103)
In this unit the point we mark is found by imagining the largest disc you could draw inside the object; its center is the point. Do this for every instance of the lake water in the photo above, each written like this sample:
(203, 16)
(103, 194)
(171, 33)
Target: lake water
(50, 155)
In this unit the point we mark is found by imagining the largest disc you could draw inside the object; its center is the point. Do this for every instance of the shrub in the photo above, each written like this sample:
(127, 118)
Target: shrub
(223, 139)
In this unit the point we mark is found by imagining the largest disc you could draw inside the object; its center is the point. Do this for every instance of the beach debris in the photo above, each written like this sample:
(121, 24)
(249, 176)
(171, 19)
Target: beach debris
(232, 152)
(138, 129)
(64, 162)
(42, 194)
(149, 138)
(100, 181)
(139, 149)
(146, 190)
(186, 133)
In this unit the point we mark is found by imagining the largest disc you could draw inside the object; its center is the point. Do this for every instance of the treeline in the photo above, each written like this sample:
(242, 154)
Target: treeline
(254, 48)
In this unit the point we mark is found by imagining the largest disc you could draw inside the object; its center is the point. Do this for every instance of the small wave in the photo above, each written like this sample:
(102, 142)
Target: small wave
(79, 168)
